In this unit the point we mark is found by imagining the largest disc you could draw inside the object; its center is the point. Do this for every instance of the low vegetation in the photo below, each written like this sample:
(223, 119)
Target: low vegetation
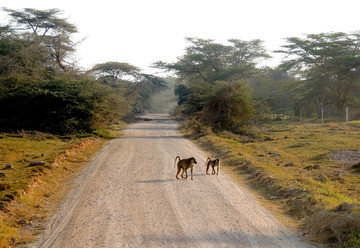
(310, 169)
(36, 169)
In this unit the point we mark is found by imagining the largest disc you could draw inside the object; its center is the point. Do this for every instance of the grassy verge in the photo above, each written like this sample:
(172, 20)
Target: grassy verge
(309, 169)
(30, 192)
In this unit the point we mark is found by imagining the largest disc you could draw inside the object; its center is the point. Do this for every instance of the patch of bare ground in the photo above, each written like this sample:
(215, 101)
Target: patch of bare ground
(345, 156)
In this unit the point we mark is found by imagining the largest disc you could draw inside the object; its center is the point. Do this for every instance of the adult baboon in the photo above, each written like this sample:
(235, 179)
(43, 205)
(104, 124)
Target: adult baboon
(212, 163)
(185, 164)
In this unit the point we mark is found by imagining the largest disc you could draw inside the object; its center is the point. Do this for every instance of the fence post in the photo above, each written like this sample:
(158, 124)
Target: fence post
(347, 115)
(322, 115)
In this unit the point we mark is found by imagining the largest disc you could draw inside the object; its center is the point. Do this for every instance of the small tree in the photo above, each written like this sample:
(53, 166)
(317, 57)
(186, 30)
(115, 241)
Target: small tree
(227, 106)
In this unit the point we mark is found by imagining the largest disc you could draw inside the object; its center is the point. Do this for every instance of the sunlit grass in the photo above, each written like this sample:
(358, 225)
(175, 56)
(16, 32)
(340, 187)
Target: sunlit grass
(305, 145)
(355, 123)
(31, 193)
(287, 153)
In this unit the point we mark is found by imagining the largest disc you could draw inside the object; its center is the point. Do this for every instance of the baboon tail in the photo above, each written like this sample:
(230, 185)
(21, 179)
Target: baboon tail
(175, 160)
(207, 161)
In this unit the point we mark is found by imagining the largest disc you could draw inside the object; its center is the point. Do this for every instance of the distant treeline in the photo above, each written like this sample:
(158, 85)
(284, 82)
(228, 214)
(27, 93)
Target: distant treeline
(221, 86)
(42, 89)
(224, 87)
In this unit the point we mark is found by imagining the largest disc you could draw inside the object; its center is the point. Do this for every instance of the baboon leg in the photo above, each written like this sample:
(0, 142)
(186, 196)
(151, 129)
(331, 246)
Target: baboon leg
(207, 168)
(213, 170)
(178, 171)
(191, 173)
(186, 175)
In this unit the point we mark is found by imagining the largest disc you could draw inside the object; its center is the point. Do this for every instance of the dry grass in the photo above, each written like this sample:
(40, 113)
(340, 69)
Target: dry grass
(292, 164)
(29, 194)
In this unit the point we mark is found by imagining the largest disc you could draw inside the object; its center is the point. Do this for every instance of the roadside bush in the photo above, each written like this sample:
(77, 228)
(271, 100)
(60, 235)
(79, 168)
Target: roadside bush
(220, 105)
(102, 132)
(227, 106)
(58, 105)
(339, 229)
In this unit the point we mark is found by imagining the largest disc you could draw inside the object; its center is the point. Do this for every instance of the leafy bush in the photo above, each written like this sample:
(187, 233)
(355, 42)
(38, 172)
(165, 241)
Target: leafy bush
(227, 106)
(221, 105)
(102, 132)
(58, 105)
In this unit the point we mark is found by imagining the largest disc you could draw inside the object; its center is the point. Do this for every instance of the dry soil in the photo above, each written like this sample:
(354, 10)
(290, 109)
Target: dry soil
(128, 196)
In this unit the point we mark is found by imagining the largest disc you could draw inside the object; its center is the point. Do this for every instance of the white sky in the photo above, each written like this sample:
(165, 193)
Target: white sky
(141, 32)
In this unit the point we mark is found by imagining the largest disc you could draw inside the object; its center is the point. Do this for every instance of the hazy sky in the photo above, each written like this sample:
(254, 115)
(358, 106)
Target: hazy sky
(141, 32)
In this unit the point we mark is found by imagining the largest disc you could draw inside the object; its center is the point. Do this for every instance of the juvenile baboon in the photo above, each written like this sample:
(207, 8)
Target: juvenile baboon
(212, 163)
(185, 164)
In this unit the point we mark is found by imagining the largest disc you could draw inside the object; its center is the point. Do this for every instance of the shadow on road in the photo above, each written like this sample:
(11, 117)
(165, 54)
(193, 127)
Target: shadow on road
(156, 181)
(152, 137)
(168, 180)
(151, 128)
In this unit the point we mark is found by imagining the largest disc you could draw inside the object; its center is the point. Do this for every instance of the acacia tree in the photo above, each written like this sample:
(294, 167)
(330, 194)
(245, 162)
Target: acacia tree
(136, 86)
(205, 60)
(329, 63)
(47, 36)
(111, 73)
(210, 73)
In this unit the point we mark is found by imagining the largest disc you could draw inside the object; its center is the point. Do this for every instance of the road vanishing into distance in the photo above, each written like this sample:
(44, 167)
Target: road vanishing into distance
(128, 196)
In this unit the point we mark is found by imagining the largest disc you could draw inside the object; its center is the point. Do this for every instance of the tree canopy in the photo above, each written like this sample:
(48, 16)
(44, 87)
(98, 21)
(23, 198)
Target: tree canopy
(329, 64)
(44, 34)
(210, 75)
(208, 61)
(42, 89)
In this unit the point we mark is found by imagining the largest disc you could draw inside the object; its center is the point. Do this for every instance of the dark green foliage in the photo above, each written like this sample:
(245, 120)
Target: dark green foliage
(221, 105)
(58, 105)
(226, 106)
(210, 73)
(183, 92)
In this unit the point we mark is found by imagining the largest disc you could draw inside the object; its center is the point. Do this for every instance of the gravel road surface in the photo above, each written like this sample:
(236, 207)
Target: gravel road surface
(128, 196)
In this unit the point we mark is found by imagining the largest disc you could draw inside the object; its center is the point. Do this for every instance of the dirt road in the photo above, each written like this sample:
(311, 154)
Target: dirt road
(129, 197)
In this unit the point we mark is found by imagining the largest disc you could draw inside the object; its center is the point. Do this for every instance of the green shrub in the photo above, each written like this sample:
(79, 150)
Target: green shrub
(102, 132)
(57, 105)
